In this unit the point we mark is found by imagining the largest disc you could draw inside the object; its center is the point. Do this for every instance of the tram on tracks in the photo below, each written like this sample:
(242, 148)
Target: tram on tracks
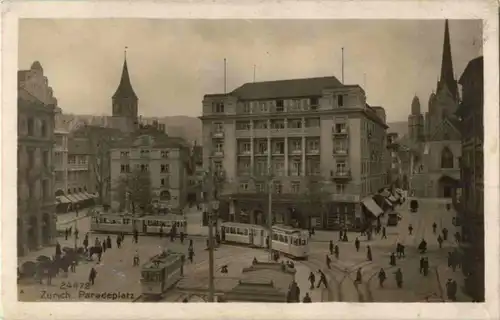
(146, 225)
(161, 273)
(290, 241)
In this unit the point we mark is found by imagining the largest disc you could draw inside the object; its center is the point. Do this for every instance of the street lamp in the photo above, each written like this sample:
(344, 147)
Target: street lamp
(270, 212)
(212, 218)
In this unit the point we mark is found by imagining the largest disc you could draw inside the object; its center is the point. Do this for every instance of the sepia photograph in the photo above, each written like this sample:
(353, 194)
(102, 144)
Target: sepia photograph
(250, 160)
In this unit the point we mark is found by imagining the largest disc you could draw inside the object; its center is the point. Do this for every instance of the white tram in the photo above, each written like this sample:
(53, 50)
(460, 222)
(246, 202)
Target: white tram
(126, 223)
(290, 241)
(161, 272)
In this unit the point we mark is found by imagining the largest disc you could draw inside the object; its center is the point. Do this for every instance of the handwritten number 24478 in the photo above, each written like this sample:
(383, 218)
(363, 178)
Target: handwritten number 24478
(75, 285)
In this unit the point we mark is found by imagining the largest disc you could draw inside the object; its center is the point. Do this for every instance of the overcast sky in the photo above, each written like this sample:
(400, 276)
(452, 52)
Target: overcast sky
(173, 63)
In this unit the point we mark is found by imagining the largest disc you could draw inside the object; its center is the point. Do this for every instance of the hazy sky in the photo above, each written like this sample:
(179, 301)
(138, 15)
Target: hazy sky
(173, 63)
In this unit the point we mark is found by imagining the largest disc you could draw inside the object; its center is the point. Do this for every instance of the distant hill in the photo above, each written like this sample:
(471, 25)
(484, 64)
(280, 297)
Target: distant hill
(399, 127)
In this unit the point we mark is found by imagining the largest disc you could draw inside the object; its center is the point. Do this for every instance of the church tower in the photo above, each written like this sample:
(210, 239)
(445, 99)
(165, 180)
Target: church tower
(447, 78)
(125, 101)
(415, 121)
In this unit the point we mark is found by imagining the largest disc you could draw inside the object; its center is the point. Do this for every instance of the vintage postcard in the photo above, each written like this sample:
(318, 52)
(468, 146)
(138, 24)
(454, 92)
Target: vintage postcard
(279, 155)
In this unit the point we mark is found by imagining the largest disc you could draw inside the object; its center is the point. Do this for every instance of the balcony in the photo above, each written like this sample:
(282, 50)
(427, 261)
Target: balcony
(243, 133)
(313, 152)
(245, 153)
(218, 134)
(343, 174)
(296, 152)
(340, 151)
(345, 197)
(78, 166)
(341, 133)
(218, 153)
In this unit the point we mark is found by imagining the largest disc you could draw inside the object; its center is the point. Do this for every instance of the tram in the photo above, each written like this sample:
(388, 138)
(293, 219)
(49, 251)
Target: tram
(290, 241)
(126, 223)
(161, 273)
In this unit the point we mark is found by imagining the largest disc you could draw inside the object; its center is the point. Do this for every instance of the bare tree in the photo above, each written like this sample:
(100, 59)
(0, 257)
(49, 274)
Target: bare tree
(137, 187)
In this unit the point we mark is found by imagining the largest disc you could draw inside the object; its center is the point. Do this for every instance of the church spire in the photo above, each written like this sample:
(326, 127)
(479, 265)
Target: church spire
(447, 75)
(125, 89)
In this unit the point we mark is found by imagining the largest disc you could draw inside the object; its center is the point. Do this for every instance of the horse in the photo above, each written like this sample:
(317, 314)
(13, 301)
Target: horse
(94, 250)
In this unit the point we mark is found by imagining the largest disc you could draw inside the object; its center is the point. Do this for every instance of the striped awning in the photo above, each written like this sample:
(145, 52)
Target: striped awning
(83, 196)
(63, 199)
(90, 195)
(372, 206)
(72, 198)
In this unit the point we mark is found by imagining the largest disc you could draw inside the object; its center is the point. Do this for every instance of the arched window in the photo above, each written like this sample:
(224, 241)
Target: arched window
(446, 158)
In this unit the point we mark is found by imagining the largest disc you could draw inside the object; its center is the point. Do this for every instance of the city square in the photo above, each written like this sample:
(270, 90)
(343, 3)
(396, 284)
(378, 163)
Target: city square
(287, 188)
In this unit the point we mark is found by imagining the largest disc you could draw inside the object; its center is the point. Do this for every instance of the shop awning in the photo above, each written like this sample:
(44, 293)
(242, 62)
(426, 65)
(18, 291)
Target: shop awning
(72, 198)
(63, 199)
(78, 197)
(90, 195)
(373, 207)
(83, 195)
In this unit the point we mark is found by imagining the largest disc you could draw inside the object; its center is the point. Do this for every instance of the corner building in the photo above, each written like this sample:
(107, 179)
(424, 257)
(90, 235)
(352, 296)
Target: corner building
(313, 134)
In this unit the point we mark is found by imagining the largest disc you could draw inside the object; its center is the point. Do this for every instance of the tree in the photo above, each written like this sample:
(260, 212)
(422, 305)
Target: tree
(136, 186)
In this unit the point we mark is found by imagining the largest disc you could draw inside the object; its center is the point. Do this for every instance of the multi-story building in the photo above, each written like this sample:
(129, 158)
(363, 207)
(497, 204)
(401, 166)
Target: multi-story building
(196, 175)
(309, 134)
(470, 201)
(165, 158)
(36, 218)
(61, 169)
(395, 167)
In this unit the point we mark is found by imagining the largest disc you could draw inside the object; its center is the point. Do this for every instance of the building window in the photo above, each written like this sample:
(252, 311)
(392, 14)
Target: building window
(341, 167)
(262, 124)
(278, 168)
(218, 167)
(313, 146)
(164, 182)
(219, 146)
(164, 154)
(295, 123)
(340, 188)
(125, 168)
(278, 124)
(340, 128)
(43, 128)
(244, 186)
(262, 147)
(72, 159)
(219, 127)
(277, 187)
(244, 147)
(446, 159)
(314, 102)
(164, 168)
(144, 153)
(280, 106)
(144, 167)
(218, 107)
(46, 159)
(312, 123)
(279, 147)
(243, 125)
(263, 107)
(295, 186)
(259, 187)
(296, 145)
(246, 107)
(340, 100)
(31, 126)
(296, 168)
(165, 195)
(124, 154)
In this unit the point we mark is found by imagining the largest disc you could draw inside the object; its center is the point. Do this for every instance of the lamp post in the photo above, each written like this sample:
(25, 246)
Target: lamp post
(270, 211)
(211, 220)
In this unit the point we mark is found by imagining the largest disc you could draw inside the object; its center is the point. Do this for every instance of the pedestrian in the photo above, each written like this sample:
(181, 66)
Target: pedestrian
(104, 246)
(369, 253)
(307, 298)
(99, 255)
(136, 258)
(422, 246)
(457, 237)
(58, 250)
(451, 290)
(108, 242)
(76, 233)
(217, 237)
(136, 236)
(402, 250)
(410, 229)
(336, 251)
(119, 241)
(313, 231)
(445, 234)
(359, 277)
(381, 277)
(434, 227)
(331, 247)
(191, 243)
(66, 231)
(86, 243)
(344, 237)
(398, 250)
(92, 275)
(440, 241)
(384, 233)
(426, 266)
(312, 280)
(322, 279)
(328, 261)
(190, 254)
(161, 231)
(97, 243)
(392, 259)
(421, 268)
(356, 244)
(73, 263)
(340, 235)
(399, 278)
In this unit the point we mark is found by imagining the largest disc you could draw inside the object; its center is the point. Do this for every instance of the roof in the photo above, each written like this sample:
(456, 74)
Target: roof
(307, 87)
(125, 89)
(152, 139)
(96, 130)
(161, 260)
(78, 146)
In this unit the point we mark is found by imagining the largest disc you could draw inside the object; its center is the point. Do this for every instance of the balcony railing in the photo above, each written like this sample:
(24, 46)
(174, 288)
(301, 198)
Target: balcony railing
(313, 151)
(218, 134)
(244, 153)
(342, 132)
(299, 151)
(341, 174)
(341, 151)
(218, 153)
(78, 166)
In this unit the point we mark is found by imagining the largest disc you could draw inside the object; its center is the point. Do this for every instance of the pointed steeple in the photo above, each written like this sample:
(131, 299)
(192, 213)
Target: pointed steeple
(447, 75)
(125, 89)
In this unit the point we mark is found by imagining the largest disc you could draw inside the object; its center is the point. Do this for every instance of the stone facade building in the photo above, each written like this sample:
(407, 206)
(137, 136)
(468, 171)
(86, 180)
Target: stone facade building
(313, 135)
(434, 140)
(36, 105)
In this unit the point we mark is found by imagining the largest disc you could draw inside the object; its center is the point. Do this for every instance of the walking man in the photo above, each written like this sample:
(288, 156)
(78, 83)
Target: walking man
(312, 280)
(328, 261)
(336, 251)
(410, 229)
(381, 277)
(356, 244)
(384, 233)
(322, 279)
(440, 241)
(92, 275)
(369, 253)
(331, 247)
(399, 278)
(434, 227)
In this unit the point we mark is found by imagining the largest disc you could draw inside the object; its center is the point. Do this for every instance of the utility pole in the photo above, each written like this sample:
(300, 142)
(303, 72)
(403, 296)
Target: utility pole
(211, 207)
(270, 212)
